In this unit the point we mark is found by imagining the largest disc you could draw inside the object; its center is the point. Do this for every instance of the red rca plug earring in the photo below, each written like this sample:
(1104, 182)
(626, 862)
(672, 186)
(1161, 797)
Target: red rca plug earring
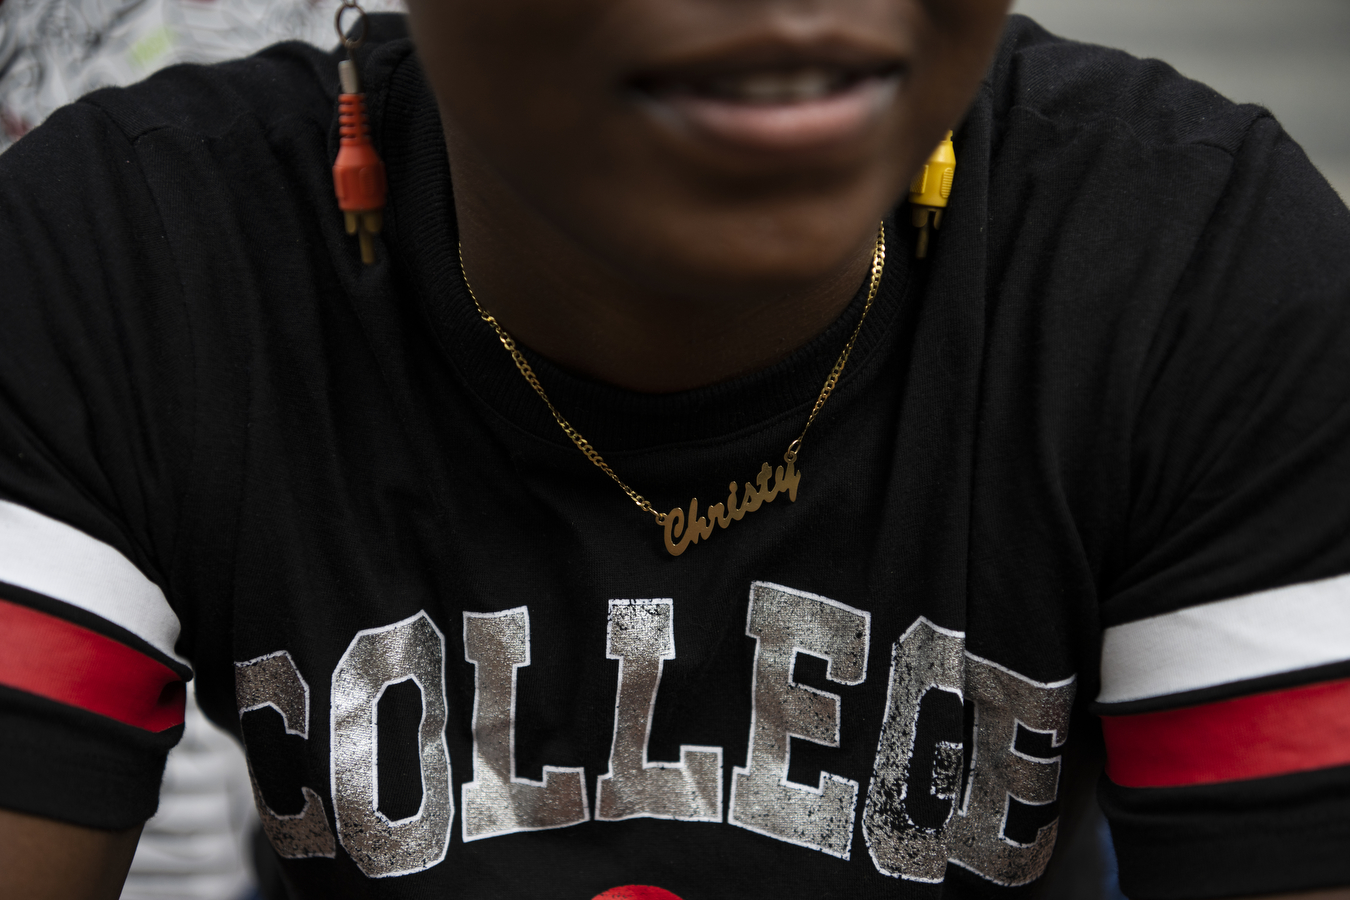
(358, 173)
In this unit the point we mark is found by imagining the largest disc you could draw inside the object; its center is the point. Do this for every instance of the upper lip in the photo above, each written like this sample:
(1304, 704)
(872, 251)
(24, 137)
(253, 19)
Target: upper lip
(703, 68)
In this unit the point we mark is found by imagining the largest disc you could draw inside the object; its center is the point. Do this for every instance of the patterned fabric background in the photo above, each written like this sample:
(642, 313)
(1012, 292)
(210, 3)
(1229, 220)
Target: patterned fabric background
(55, 51)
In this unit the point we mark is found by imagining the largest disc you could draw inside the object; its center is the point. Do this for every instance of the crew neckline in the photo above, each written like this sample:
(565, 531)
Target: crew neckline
(423, 233)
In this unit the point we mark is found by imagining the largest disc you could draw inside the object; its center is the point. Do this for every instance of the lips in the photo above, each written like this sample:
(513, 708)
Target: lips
(774, 107)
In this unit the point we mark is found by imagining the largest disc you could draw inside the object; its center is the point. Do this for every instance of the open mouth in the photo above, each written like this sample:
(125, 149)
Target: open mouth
(784, 108)
(792, 85)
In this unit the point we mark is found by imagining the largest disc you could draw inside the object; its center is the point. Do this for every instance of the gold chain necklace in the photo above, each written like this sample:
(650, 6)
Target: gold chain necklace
(681, 528)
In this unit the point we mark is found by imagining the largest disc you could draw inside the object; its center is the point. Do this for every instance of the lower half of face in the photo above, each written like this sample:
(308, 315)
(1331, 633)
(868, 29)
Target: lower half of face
(706, 145)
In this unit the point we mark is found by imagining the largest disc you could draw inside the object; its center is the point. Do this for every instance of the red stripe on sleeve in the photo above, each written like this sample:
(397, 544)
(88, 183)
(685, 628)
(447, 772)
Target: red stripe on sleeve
(56, 659)
(1275, 733)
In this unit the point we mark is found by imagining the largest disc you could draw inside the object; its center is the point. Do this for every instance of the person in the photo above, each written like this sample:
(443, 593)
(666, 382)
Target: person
(444, 537)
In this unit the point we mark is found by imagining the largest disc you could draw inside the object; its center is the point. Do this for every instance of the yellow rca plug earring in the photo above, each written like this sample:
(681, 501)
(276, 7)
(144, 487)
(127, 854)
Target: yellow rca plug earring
(929, 191)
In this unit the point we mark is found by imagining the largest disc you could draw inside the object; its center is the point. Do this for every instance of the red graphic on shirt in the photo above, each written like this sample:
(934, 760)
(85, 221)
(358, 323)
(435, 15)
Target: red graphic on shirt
(41, 654)
(636, 892)
(1275, 733)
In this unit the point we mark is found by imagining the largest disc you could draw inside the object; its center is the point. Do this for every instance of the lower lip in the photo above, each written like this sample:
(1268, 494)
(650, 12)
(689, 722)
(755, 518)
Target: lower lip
(838, 118)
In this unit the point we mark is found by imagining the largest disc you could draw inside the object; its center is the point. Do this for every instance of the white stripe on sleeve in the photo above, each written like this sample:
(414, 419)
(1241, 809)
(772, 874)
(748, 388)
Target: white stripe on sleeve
(1280, 630)
(51, 558)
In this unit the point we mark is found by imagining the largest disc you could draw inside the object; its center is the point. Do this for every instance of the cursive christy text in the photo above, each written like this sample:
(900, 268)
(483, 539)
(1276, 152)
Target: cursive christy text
(684, 529)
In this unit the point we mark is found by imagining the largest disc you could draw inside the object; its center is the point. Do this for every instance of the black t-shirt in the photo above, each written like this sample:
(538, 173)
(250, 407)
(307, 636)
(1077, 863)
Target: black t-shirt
(1089, 463)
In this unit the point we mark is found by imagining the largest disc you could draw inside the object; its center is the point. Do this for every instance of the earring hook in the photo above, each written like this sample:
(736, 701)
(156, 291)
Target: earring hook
(347, 42)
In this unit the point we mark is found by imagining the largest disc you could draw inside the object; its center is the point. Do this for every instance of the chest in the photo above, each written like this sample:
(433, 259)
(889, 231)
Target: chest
(489, 673)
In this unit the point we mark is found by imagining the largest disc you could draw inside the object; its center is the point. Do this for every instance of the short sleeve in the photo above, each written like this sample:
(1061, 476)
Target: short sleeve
(1225, 679)
(95, 427)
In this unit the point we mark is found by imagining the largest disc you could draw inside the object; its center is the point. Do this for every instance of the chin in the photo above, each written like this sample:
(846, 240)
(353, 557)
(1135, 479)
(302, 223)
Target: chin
(765, 249)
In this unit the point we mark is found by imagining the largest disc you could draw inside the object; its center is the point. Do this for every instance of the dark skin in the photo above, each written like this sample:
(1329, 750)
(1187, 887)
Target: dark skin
(632, 245)
(650, 258)
(41, 859)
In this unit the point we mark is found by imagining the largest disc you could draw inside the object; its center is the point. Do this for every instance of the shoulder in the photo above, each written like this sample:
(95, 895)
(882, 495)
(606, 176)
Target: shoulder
(286, 80)
(284, 89)
(1158, 264)
(1125, 172)
(1078, 87)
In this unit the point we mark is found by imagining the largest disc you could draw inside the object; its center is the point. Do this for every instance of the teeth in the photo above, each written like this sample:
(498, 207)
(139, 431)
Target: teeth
(781, 87)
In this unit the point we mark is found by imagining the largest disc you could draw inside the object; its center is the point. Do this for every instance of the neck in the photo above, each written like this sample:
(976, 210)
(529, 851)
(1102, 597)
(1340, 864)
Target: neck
(588, 315)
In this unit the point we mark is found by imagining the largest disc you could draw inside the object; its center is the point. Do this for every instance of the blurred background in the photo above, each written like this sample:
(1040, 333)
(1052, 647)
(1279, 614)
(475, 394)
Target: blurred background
(55, 51)
(1291, 56)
